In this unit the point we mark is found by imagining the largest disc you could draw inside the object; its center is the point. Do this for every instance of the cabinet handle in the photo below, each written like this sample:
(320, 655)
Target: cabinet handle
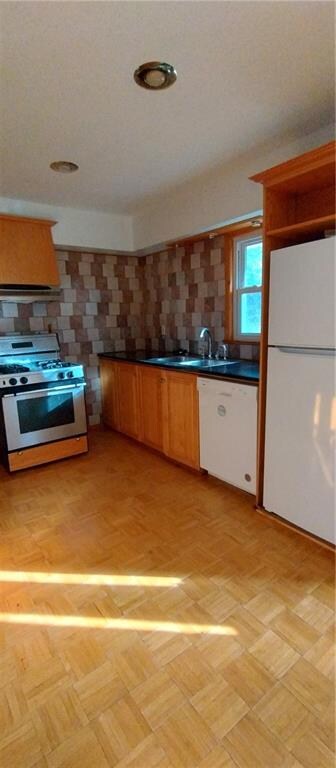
(162, 381)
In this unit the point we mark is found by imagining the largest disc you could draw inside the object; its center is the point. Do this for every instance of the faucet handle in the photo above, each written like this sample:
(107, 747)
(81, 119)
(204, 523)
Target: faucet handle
(225, 350)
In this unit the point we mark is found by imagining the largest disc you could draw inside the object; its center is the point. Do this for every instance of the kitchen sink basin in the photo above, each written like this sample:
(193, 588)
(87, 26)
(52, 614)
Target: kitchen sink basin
(171, 360)
(209, 363)
(193, 362)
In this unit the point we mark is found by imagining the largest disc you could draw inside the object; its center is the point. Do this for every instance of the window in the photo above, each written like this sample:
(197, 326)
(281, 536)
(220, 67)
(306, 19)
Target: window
(247, 287)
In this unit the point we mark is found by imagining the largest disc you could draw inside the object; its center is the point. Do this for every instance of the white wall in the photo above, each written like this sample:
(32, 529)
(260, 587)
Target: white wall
(78, 228)
(208, 201)
(218, 197)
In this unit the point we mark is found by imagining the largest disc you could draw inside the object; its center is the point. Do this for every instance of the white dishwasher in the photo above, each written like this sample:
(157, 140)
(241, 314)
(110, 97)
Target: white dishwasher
(228, 431)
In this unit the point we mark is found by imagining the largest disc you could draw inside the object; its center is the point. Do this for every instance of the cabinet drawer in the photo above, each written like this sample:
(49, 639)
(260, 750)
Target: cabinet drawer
(41, 454)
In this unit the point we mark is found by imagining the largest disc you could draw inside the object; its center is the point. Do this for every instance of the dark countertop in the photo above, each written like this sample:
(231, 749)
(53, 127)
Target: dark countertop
(243, 371)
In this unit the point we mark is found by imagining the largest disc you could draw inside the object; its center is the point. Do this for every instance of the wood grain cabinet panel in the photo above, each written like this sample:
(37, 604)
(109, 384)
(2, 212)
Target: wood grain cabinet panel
(181, 423)
(128, 400)
(27, 255)
(109, 385)
(150, 403)
(42, 454)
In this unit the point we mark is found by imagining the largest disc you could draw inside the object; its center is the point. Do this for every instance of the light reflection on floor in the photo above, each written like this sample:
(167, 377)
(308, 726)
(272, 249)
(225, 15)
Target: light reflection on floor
(96, 622)
(90, 579)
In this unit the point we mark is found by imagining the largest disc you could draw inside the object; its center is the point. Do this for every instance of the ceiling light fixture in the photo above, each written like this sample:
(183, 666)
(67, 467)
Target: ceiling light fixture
(64, 166)
(155, 75)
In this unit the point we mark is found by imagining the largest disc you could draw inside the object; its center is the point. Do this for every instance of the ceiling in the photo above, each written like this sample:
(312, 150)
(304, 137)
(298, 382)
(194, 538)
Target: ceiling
(247, 72)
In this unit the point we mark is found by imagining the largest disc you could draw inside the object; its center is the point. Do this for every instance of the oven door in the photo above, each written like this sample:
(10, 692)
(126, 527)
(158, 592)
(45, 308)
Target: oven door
(44, 415)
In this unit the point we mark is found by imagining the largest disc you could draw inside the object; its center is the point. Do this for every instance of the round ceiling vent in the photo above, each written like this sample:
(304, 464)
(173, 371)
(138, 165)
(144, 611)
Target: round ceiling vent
(64, 166)
(155, 75)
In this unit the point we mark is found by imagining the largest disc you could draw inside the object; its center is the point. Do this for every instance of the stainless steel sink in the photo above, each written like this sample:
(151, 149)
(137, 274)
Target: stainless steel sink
(171, 360)
(193, 362)
(209, 363)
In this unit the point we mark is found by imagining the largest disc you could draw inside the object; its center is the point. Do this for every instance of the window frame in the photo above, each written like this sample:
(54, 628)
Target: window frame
(238, 267)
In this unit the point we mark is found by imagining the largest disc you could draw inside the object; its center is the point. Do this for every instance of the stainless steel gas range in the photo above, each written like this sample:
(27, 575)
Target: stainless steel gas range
(43, 414)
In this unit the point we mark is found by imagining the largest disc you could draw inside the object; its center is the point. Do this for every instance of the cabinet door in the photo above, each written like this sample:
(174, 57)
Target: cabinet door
(151, 382)
(180, 410)
(128, 399)
(109, 384)
(27, 255)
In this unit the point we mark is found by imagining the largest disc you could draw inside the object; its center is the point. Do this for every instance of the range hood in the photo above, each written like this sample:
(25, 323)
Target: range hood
(28, 293)
(28, 264)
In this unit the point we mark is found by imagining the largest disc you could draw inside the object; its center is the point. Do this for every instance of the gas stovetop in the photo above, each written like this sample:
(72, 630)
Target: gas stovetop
(37, 356)
(51, 364)
(13, 368)
(39, 365)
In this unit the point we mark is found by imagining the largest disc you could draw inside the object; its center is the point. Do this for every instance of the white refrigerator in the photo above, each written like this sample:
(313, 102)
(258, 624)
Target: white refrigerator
(299, 481)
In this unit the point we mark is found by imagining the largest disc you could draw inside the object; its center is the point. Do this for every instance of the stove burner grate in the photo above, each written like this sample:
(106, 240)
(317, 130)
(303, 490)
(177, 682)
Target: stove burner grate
(50, 364)
(14, 368)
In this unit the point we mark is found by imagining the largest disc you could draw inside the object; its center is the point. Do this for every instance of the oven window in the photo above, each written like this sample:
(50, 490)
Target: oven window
(45, 412)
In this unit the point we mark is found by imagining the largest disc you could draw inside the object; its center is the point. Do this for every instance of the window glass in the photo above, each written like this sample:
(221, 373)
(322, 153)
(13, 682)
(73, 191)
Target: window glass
(247, 287)
(252, 265)
(250, 314)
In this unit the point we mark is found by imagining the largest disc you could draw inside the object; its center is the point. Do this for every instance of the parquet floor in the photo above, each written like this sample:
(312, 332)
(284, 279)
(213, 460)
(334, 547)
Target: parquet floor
(150, 618)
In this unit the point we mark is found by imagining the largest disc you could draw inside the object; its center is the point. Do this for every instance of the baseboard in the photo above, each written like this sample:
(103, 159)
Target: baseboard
(296, 529)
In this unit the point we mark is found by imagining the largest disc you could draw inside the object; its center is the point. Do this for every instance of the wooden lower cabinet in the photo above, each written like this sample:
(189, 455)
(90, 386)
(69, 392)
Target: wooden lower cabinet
(108, 379)
(128, 400)
(180, 418)
(155, 406)
(119, 383)
(151, 383)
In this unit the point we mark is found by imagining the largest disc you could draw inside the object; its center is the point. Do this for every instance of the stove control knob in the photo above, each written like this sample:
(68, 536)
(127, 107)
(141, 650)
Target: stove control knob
(13, 381)
(60, 375)
(24, 380)
(70, 374)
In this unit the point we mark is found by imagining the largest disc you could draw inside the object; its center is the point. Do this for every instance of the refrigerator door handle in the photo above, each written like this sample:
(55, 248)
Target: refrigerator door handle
(307, 351)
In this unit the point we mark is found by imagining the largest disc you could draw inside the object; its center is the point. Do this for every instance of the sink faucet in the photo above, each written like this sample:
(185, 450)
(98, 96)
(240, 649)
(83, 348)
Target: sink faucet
(206, 332)
(225, 349)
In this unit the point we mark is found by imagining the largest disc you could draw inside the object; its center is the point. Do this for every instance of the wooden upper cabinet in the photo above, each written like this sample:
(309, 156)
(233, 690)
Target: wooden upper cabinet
(128, 399)
(27, 255)
(299, 196)
(180, 418)
(150, 394)
(109, 384)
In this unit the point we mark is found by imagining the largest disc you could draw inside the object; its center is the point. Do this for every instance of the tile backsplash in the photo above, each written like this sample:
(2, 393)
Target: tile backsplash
(114, 302)
(184, 291)
(99, 310)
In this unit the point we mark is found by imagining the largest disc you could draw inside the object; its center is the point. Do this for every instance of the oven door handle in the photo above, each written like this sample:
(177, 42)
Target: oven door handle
(47, 391)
